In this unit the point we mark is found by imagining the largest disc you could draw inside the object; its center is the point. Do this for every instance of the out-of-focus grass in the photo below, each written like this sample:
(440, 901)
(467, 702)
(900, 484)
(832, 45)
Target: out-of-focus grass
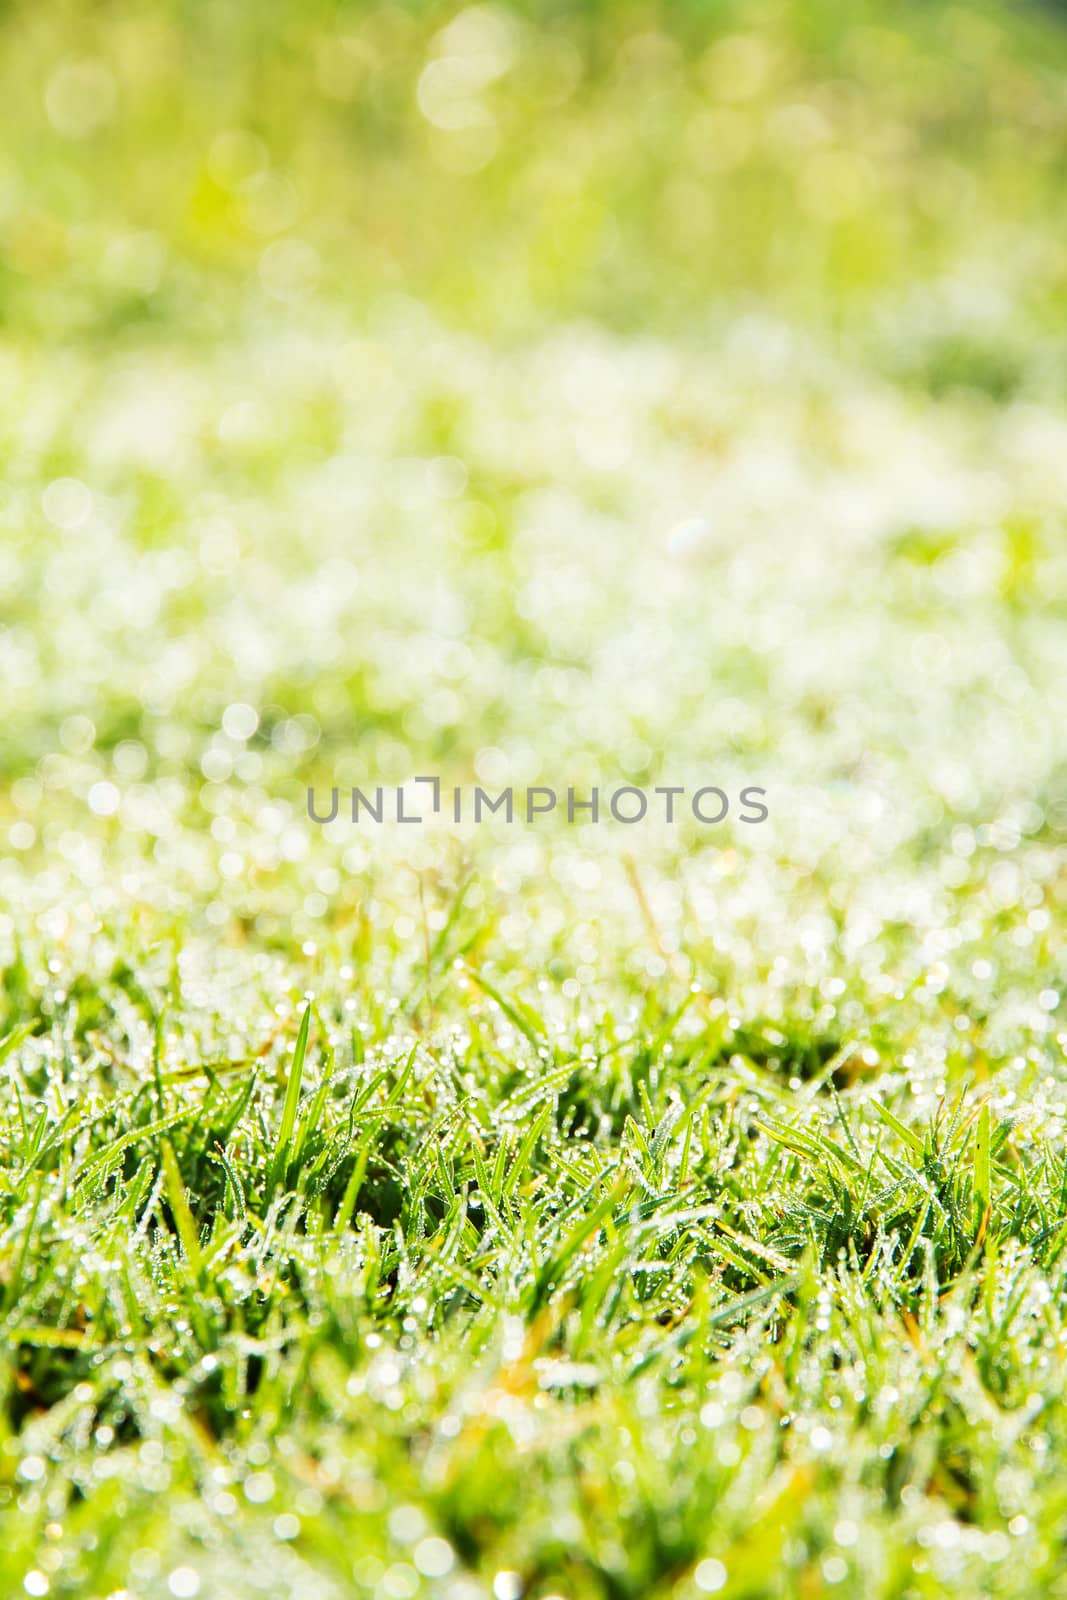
(569, 395)
(633, 163)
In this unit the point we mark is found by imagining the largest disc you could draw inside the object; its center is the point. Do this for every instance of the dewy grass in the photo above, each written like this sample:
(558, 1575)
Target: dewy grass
(548, 399)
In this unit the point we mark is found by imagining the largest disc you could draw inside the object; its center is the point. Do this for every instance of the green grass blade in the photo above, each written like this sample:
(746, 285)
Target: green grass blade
(289, 1109)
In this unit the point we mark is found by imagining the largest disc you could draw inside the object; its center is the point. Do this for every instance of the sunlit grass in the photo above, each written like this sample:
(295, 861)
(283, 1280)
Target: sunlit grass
(575, 396)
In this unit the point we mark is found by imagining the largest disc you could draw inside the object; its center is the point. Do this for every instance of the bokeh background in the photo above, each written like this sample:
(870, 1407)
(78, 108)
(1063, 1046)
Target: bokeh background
(588, 393)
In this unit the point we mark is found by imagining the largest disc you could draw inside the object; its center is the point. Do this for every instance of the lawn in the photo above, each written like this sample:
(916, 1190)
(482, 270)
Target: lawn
(567, 398)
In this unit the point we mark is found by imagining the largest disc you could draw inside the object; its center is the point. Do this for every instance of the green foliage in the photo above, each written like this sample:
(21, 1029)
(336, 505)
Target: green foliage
(577, 394)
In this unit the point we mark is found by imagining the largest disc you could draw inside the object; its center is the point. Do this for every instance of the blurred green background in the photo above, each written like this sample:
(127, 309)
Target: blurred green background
(639, 164)
(561, 394)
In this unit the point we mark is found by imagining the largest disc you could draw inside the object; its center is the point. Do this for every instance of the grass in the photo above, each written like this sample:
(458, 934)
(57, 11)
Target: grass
(659, 396)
